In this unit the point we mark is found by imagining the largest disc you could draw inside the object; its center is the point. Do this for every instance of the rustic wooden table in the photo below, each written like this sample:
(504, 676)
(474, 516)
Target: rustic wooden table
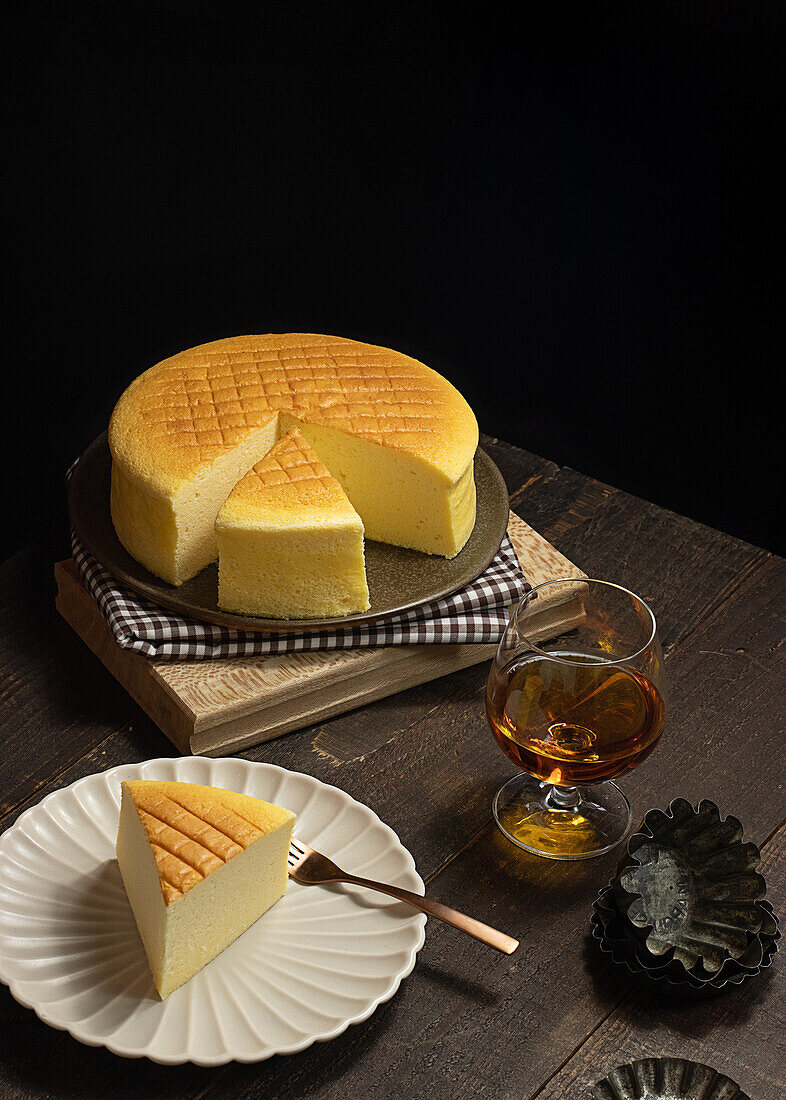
(556, 1016)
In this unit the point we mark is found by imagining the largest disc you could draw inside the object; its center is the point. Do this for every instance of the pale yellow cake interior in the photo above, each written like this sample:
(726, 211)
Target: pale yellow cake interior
(400, 498)
(200, 865)
(290, 544)
(396, 435)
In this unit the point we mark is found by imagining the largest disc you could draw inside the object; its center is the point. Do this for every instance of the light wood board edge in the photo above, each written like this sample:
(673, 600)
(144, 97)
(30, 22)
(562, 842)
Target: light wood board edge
(216, 707)
(138, 675)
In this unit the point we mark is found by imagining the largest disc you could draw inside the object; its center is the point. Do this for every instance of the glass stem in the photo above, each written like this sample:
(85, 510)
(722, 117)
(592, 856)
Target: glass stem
(563, 798)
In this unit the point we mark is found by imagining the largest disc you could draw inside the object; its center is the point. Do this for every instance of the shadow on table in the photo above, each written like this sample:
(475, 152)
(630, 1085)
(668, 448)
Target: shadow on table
(451, 982)
(647, 1007)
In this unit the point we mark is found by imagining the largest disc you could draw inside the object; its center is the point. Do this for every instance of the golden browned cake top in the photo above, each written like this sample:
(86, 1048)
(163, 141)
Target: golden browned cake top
(194, 830)
(182, 414)
(288, 484)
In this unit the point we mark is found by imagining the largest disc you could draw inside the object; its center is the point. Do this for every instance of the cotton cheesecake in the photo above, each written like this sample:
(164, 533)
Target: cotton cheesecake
(396, 436)
(200, 865)
(290, 544)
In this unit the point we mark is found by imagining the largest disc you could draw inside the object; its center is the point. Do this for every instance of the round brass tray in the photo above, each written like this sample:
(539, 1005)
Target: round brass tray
(398, 579)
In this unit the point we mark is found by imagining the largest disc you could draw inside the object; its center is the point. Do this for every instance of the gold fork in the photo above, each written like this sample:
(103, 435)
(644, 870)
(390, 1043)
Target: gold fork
(311, 868)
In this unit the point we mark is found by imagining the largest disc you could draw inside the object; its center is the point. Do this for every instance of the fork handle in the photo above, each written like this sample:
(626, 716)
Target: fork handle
(473, 927)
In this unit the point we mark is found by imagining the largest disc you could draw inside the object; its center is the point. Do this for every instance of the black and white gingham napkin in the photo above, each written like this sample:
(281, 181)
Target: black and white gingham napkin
(478, 613)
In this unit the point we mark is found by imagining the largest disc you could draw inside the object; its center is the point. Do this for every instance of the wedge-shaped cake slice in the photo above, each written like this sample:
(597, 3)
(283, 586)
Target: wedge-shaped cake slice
(200, 865)
(290, 544)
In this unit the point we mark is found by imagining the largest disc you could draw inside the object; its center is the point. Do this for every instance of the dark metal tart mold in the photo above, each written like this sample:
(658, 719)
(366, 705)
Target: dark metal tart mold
(686, 912)
(618, 938)
(691, 883)
(667, 1079)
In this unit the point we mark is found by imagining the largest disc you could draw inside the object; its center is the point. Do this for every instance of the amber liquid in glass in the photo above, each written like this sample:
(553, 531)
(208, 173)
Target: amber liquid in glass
(574, 721)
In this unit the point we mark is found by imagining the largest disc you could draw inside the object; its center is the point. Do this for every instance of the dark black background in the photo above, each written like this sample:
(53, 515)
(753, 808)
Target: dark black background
(572, 217)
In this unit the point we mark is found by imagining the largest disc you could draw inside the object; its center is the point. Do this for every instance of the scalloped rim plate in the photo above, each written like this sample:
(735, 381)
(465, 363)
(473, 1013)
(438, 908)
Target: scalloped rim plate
(321, 959)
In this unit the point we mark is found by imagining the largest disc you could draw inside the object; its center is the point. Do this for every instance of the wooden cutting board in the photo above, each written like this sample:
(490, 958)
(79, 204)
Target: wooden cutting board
(214, 708)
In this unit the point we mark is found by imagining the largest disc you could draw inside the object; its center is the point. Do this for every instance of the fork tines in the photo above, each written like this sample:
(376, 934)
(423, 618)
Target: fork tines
(297, 851)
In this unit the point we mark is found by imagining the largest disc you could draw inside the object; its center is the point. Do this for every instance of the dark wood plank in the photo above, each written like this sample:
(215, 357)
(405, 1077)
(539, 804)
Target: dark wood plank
(430, 777)
(37, 1061)
(58, 702)
(682, 568)
(426, 762)
(519, 468)
(740, 1033)
(471, 1023)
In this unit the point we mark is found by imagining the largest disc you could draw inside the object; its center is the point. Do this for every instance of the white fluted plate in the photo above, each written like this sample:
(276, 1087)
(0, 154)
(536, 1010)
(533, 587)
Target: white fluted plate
(322, 958)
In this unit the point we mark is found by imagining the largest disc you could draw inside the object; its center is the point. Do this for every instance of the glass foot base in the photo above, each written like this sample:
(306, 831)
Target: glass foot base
(533, 815)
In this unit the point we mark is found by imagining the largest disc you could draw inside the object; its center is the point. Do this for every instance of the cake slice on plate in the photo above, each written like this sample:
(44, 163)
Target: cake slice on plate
(290, 544)
(200, 865)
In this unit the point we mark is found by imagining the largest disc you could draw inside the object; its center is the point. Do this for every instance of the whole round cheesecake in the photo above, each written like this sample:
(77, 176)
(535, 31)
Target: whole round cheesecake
(397, 437)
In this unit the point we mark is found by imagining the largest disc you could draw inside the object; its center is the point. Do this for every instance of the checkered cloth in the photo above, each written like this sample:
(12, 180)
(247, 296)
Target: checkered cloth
(478, 613)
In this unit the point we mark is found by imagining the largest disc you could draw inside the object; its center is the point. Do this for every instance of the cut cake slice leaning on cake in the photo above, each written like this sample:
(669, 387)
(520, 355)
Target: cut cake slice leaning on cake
(200, 865)
(290, 544)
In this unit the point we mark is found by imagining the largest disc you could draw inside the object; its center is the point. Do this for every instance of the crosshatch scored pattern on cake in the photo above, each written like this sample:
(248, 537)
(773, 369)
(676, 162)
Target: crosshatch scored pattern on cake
(292, 462)
(224, 396)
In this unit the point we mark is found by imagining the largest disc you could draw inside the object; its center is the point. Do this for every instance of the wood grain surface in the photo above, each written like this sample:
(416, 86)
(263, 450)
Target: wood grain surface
(746, 1032)
(552, 1019)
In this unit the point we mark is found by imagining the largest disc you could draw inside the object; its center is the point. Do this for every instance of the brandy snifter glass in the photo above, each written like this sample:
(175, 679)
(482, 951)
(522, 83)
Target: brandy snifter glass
(575, 698)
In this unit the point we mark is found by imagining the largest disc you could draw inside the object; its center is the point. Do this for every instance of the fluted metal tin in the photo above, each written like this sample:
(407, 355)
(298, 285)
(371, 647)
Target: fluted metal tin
(616, 937)
(693, 884)
(667, 1079)
(685, 910)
